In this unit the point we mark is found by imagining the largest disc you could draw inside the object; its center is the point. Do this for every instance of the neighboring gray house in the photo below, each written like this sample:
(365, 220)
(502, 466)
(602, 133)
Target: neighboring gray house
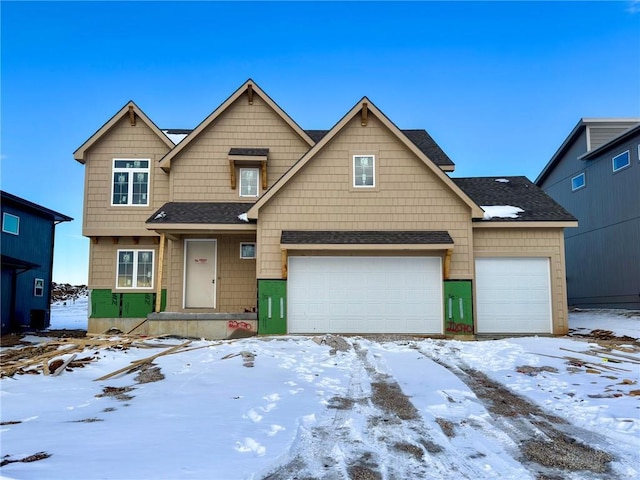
(595, 174)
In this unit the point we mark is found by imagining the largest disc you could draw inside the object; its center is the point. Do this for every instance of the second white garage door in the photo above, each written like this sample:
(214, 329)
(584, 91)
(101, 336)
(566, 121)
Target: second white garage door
(364, 295)
(513, 295)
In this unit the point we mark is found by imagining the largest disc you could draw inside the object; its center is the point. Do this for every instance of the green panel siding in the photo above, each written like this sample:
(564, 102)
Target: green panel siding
(106, 304)
(458, 310)
(272, 304)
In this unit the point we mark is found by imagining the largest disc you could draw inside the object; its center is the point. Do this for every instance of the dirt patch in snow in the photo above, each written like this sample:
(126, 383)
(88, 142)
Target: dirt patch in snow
(31, 458)
(119, 393)
(149, 373)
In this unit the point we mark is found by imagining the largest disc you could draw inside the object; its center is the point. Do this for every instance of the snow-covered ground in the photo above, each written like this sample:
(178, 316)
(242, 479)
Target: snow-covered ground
(334, 409)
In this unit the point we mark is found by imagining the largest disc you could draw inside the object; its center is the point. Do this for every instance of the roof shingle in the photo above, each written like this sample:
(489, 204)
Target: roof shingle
(348, 237)
(517, 192)
(199, 213)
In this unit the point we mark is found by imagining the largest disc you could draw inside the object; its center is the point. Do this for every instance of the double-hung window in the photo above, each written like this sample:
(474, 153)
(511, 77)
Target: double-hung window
(364, 167)
(621, 161)
(10, 223)
(135, 269)
(130, 184)
(38, 287)
(249, 182)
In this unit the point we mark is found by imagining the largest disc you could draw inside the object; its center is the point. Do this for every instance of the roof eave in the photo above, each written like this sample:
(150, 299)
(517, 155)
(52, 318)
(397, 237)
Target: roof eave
(165, 162)
(79, 153)
(476, 211)
(525, 224)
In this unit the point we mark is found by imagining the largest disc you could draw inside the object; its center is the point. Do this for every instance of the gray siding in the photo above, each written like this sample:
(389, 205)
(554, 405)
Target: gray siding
(603, 253)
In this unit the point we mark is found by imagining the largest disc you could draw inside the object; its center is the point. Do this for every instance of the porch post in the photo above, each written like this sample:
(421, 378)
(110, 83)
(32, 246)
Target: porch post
(160, 268)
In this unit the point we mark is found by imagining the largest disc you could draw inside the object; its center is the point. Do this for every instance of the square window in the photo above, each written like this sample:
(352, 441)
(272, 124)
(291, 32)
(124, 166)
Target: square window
(10, 223)
(135, 269)
(130, 184)
(249, 182)
(578, 182)
(247, 251)
(364, 170)
(621, 161)
(38, 287)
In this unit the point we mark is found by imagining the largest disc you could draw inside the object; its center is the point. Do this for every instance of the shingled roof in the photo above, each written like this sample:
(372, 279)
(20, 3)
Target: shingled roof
(199, 213)
(419, 137)
(515, 191)
(349, 237)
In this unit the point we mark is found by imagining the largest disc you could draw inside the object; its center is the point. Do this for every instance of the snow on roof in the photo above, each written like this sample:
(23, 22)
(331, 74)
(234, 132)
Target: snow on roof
(500, 211)
(502, 180)
(243, 217)
(176, 138)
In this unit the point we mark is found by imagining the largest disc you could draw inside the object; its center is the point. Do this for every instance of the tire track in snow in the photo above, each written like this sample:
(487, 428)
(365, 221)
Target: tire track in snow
(547, 445)
(375, 433)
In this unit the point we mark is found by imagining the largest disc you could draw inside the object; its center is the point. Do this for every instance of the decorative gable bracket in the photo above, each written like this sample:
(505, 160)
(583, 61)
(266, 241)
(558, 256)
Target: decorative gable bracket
(364, 114)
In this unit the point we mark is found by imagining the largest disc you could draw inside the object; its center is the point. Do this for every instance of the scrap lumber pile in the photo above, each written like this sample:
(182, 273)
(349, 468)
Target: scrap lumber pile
(57, 356)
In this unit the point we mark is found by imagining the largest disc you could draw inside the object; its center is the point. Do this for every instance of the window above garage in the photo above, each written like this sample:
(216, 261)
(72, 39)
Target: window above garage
(249, 164)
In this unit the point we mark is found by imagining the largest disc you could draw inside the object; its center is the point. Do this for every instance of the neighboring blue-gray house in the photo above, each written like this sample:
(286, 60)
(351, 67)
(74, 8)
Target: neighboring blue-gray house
(28, 232)
(595, 174)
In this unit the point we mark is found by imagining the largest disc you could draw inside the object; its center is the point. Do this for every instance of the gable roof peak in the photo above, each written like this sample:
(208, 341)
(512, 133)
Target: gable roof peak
(362, 108)
(129, 109)
(250, 87)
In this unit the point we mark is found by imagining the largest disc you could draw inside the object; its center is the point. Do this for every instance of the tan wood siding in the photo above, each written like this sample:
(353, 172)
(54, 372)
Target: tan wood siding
(103, 261)
(201, 172)
(320, 197)
(526, 242)
(235, 282)
(122, 141)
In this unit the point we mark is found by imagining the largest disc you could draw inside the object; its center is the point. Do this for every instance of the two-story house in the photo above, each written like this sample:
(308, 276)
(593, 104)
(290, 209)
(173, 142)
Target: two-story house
(28, 233)
(249, 223)
(595, 174)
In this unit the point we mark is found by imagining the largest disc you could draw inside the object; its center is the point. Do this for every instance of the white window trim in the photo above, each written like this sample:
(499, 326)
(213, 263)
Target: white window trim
(6, 214)
(134, 280)
(257, 172)
(613, 161)
(242, 244)
(584, 182)
(353, 167)
(130, 187)
(35, 287)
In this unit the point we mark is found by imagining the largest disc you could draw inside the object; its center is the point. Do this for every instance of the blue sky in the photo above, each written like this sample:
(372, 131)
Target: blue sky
(499, 85)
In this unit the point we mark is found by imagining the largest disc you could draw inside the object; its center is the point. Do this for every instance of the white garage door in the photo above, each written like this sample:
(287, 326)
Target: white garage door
(513, 295)
(364, 295)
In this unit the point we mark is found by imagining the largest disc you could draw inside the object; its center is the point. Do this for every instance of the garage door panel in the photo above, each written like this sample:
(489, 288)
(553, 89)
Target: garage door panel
(365, 294)
(513, 295)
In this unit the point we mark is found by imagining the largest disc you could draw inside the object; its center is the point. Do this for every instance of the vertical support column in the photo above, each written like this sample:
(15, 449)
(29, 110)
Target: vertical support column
(447, 265)
(284, 264)
(160, 272)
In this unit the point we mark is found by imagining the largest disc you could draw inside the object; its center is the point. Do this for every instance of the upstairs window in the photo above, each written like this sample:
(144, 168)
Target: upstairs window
(10, 223)
(135, 269)
(130, 182)
(249, 182)
(621, 161)
(364, 170)
(578, 182)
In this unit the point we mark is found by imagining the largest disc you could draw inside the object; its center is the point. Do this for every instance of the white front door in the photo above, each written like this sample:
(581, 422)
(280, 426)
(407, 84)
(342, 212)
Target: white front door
(200, 274)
